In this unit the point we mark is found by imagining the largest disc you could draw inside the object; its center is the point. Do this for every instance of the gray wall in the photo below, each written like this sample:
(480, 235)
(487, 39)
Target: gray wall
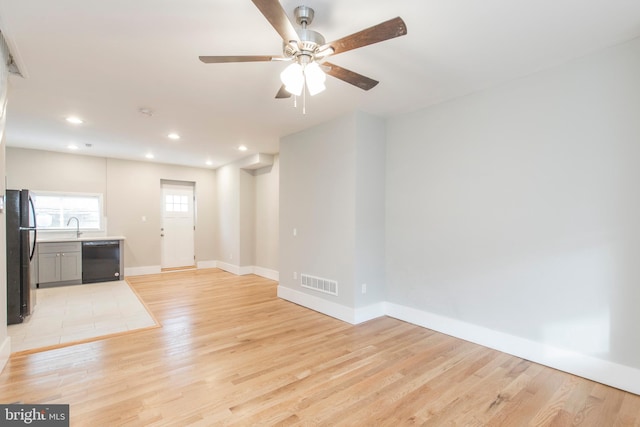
(317, 188)
(332, 193)
(228, 229)
(267, 211)
(247, 210)
(50, 171)
(369, 210)
(517, 208)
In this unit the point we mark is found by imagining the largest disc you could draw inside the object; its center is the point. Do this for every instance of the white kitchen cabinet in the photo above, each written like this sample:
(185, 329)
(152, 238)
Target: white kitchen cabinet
(59, 263)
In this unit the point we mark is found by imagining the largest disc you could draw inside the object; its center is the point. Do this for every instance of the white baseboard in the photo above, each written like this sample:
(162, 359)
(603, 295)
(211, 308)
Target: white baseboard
(248, 269)
(266, 273)
(339, 311)
(321, 305)
(369, 312)
(602, 371)
(231, 268)
(5, 352)
(244, 270)
(141, 271)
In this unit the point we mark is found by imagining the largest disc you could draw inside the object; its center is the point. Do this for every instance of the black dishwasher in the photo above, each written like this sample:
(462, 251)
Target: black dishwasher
(100, 261)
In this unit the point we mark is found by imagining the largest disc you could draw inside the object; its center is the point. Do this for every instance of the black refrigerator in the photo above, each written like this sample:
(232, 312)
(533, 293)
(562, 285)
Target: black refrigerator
(21, 244)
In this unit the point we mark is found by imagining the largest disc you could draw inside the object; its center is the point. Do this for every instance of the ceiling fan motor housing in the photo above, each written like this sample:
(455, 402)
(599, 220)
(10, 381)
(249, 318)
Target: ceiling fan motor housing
(310, 41)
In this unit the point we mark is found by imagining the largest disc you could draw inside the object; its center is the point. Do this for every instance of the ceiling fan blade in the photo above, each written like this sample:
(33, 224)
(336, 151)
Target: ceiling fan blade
(283, 93)
(384, 31)
(364, 83)
(241, 58)
(277, 17)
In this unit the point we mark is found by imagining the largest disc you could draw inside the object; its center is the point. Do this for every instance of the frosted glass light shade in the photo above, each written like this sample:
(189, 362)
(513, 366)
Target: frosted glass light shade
(293, 79)
(315, 78)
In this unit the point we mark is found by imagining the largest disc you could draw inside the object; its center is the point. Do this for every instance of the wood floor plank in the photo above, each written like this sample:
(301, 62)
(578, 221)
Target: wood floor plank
(229, 352)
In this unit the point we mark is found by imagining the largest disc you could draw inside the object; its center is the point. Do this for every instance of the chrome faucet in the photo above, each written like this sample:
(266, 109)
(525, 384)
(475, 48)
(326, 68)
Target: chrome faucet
(78, 232)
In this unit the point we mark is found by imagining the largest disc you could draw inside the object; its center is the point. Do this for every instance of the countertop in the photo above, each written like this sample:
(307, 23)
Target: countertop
(54, 239)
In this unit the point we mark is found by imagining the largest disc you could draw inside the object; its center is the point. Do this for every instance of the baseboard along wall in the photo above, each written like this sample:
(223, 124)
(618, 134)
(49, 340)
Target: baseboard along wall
(599, 370)
(231, 268)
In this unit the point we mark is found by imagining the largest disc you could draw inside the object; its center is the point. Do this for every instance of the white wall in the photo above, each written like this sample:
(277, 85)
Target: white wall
(516, 209)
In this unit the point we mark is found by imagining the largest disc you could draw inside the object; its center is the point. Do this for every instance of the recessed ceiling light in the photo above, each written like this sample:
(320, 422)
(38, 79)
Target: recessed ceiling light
(149, 156)
(75, 120)
(72, 147)
(173, 136)
(209, 163)
(242, 148)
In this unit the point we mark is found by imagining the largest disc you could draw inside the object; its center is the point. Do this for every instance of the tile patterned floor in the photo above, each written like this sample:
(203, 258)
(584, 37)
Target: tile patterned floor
(80, 312)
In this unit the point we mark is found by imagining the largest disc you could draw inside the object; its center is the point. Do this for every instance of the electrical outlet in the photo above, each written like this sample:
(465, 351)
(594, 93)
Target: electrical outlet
(231, 256)
(295, 232)
(364, 288)
(295, 275)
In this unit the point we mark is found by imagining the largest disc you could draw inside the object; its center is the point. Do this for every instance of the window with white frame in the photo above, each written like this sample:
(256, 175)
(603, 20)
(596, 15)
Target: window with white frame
(54, 210)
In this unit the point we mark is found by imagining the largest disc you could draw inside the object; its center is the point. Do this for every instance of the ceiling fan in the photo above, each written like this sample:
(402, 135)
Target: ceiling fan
(308, 51)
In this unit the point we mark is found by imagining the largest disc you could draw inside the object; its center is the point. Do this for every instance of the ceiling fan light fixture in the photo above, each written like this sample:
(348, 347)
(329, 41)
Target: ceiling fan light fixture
(315, 78)
(293, 79)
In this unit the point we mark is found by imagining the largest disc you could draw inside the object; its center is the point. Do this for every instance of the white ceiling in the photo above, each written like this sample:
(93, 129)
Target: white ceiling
(104, 60)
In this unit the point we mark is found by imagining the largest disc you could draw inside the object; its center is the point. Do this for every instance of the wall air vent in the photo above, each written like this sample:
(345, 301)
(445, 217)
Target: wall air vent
(319, 284)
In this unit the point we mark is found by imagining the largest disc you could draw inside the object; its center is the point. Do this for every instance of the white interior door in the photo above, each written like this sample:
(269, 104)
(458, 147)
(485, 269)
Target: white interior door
(178, 220)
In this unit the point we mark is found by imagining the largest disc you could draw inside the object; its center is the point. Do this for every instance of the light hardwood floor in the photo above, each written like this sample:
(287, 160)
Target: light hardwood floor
(230, 352)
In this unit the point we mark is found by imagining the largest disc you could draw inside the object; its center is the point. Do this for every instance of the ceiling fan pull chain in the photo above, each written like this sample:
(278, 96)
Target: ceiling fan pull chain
(304, 100)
